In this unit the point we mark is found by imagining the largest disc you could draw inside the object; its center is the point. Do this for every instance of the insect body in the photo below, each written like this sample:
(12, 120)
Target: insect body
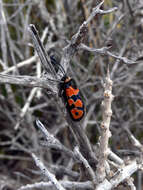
(72, 98)
(70, 93)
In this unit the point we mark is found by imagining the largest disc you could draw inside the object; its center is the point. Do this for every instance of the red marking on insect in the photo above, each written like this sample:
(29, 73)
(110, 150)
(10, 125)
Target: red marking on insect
(71, 91)
(78, 103)
(77, 114)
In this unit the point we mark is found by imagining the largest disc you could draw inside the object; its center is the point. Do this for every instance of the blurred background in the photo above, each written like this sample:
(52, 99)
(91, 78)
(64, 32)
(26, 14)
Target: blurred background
(57, 21)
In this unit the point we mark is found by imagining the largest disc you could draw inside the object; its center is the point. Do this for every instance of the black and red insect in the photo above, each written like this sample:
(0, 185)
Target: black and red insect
(70, 93)
(67, 86)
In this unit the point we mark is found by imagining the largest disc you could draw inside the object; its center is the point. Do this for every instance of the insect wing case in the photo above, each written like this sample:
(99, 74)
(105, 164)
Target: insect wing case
(73, 100)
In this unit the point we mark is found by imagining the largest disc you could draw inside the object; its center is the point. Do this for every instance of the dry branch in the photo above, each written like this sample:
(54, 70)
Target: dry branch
(105, 131)
(66, 184)
(52, 142)
(28, 81)
(45, 172)
(118, 177)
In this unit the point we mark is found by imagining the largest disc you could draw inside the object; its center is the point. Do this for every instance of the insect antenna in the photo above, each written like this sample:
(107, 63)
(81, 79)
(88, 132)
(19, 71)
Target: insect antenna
(55, 80)
(55, 62)
(62, 69)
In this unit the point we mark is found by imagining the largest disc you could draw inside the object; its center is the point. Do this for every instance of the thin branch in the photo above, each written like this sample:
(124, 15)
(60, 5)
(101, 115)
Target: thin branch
(114, 157)
(44, 58)
(77, 39)
(66, 184)
(21, 64)
(28, 81)
(46, 172)
(97, 10)
(26, 106)
(104, 51)
(86, 164)
(83, 142)
(64, 171)
(134, 141)
(130, 9)
(53, 142)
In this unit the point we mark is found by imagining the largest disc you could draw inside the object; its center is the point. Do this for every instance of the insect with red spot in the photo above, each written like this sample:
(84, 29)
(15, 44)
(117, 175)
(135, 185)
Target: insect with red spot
(71, 95)
(67, 86)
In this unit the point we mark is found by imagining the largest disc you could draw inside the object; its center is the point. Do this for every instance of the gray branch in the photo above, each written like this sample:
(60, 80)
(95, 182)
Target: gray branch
(45, 171)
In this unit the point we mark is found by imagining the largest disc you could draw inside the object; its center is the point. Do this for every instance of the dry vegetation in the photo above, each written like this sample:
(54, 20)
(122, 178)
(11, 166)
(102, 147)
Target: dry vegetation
(105, 149)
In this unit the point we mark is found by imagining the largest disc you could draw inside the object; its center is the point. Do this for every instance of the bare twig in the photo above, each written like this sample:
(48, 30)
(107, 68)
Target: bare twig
(4, 36)
(83, 143)
(26, 106)
(44, 58)
(104, 51)
(77, 39)
(64, 171)
(86, 164)
(97, 10)
(52, 142)
(66, 184)
(26, 81)
(120, 176)
(21, 64)
(114, 157)
(134, 141)
(105, 132)
(45, 171)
